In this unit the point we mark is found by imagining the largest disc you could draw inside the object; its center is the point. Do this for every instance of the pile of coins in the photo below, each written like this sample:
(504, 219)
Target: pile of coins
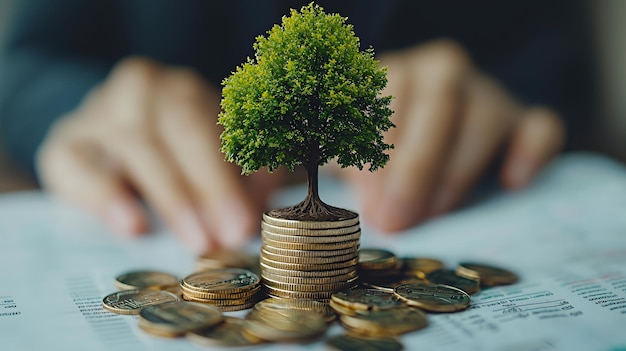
(309, 260)
(393, 297)
(229, 289)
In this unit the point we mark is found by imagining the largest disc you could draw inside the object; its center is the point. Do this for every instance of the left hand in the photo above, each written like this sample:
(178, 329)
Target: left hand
(451, 120)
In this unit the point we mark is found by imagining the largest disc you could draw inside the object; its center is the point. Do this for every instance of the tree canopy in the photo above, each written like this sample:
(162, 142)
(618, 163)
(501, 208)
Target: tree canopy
(309, 95)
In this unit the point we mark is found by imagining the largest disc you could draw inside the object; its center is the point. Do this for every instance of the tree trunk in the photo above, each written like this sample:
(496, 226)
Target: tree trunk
(313, 208)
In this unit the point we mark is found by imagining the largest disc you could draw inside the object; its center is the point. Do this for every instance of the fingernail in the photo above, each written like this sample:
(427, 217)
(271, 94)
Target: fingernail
(191, 232)
(235, 225)
(121, 215)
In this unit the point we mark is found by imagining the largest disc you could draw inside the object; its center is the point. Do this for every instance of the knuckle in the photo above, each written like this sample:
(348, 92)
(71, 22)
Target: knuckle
(446, 58)
(136, 73)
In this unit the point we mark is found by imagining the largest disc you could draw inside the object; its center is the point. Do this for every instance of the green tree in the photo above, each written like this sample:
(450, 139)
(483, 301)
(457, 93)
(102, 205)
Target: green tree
(308, 96)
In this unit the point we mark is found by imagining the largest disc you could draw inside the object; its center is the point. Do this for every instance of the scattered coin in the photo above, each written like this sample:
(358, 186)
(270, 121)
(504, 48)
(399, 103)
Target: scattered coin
(448, 277)
(433, 297)
(132, 301)
(286, 325)
(419, 266)
(277, 304)
(488, 275)
(137, 280)
(377, 259)
(367, 299)
(231, 332)
(385, 323)
(173, 319)
(348, 342)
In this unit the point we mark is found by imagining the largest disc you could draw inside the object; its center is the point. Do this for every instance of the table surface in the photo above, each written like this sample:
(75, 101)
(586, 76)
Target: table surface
(565, 237)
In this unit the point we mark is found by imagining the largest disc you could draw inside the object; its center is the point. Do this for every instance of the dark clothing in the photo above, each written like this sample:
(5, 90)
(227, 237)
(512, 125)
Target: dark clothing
(58, 50)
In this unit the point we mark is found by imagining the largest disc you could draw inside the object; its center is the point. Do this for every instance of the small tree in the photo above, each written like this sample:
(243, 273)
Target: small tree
(308, 96)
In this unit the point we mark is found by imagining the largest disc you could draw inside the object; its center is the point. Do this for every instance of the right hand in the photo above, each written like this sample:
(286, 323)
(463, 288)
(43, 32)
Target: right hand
(150, 131)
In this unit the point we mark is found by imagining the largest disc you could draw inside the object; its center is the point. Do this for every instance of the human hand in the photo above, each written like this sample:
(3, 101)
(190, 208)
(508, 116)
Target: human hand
(451, 121)
(150, 131)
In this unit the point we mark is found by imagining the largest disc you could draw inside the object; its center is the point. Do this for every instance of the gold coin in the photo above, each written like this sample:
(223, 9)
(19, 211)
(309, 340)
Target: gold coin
(377, 259)
(367, 299)
(420, 266)
(177, 318)
(309, 267)
(277, 304)
(288, 294)
(309, 232)
(289, 223)
(298, 239)
(222, 302)
(488, 275)
(228, 333)
(132, 301)
(308, 280)
(226, 259)
(385, 323)
(321, 287)
(389, 286)
(220, 295)
(341, 309)
(286, 325)
(433, 297)
(137, 280)
(310, 247)
(265, 269)
(234, 308)
(308, 260)
(348, 342)
(448, 277)
(310, 253)
(224, 280)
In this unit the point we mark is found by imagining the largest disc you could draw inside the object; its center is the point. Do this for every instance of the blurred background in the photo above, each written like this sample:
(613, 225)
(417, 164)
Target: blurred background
(609, 44)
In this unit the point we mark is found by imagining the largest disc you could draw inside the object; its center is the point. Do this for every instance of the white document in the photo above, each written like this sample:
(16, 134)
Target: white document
(565, 237)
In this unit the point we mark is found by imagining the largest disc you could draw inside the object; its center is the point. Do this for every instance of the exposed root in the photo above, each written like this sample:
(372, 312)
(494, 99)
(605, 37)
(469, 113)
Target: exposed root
(315, 210)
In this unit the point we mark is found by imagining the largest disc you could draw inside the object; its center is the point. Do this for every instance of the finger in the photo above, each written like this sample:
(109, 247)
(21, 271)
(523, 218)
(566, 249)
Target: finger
(154, 175)
(80, 173)
(537, 138)
(437, 76)
(188, 114)
(368, 185)
(489, 116)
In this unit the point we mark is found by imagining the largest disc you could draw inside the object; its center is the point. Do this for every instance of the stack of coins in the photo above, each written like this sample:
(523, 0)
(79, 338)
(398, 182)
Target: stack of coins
(309, 260)
(229, 289)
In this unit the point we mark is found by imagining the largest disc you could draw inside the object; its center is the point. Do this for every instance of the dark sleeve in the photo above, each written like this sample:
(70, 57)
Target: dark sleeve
(56, 51)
